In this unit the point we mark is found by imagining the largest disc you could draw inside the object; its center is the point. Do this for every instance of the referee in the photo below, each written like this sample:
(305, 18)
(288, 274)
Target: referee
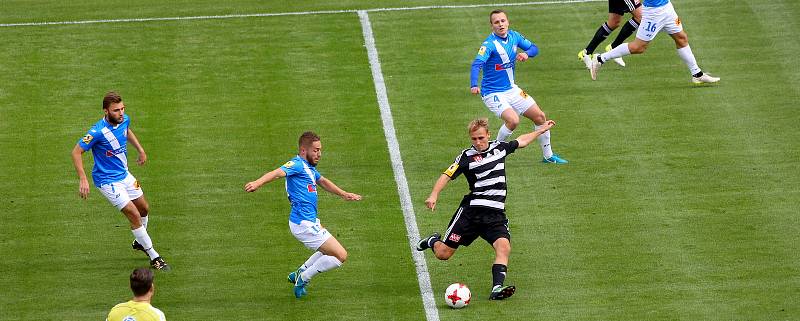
(482, 211)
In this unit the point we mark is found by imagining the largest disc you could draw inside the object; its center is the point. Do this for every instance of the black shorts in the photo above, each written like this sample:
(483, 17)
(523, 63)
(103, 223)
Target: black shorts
(621, 7)
(470, 222)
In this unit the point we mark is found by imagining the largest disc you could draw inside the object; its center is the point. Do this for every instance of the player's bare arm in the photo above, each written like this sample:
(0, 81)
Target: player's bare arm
(437, 188)
(77, 160)
(526, 139)
(135, 142)
(266, 178)
(332, 188)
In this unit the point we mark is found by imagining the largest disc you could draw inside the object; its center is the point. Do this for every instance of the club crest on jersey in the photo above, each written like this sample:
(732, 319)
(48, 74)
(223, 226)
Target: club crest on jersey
(454, 237)
(478, 158)
(312, 188)
(87, 139)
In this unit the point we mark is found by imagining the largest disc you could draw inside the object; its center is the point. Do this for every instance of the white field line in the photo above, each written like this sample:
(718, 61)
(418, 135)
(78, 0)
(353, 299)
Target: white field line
(425, 288)
(250, 15)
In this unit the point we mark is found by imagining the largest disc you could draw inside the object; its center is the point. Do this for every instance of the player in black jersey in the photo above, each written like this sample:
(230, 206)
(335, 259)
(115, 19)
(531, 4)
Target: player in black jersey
(482, 211)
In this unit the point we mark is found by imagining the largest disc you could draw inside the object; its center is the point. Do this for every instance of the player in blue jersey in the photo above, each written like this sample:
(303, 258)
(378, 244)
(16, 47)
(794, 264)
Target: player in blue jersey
(108, 139)
(497, 58)
(302, 179)
(657, 15)
(616, 9)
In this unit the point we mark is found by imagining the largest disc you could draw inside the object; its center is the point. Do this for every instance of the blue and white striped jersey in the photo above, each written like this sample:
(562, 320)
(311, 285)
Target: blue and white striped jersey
(109, 150)
(301, 188)
(654, 3)
(499, 58)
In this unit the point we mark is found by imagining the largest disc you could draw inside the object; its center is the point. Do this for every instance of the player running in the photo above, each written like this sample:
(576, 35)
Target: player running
(496, 57)
(482, 211)
(657, 15)
(616, 9)
(302, 179)
(108, 139)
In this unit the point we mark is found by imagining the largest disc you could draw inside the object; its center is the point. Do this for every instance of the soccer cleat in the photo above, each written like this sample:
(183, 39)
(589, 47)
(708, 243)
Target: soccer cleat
(618, 60)
(586, 58)
(704, 79)
(555, 159)
(424, 244)
(299, 286)
(595, 67)
(293, 275)
(159, 264)
(502, 292)
(138, 247)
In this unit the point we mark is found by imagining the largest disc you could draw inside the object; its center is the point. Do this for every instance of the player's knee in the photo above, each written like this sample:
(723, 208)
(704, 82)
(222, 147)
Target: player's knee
(442, 255)
(144, 210)
(342, 255)
(512, 123)
(637, 48)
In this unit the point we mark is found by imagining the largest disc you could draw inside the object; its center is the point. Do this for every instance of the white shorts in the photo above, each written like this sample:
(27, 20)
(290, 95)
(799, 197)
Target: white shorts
(122, 192)
(312, 235)
(513, 98)
(657, 19)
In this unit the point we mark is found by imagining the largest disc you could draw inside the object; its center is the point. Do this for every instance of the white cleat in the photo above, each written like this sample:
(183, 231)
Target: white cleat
(619, 60)
(587, 60)
(595, 66)
(704, 79)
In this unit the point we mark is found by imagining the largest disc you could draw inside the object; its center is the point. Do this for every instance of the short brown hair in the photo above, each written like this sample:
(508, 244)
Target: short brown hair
(496, 11)
(111, 97)
(307, 138)
(141, 281)
(478, 123)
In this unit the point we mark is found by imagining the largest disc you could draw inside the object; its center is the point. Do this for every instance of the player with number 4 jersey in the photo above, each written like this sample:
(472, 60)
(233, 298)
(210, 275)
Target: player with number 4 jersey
(497, 57)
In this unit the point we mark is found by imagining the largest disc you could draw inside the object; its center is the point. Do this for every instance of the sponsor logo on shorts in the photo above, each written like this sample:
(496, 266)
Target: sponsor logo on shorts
(312, 188)
(136, 184)
(523, 94)
(678, 21)
(454, 237)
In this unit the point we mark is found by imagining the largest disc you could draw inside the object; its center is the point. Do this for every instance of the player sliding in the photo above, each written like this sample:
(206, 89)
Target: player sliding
(482, 211)
(657, 15)
(302, 179)
(500, 94)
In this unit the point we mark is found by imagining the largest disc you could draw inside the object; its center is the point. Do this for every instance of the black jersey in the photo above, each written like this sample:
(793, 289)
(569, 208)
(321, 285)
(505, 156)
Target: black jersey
(485, 172)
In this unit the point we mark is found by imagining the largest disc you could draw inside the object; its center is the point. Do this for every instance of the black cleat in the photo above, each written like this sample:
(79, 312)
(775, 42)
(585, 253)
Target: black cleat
(159, 264)
(502, 292)
(425, 243)
(138, 247)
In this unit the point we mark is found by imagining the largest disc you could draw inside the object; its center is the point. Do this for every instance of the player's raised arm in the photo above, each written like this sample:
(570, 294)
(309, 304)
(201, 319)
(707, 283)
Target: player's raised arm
(266, 178)
(526, 139)
(77, 160)
(142, 158)
(437, 188)
(331, 187)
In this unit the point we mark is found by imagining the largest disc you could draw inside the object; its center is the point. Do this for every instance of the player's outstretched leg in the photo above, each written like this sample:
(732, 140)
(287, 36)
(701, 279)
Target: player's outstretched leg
(427, 242)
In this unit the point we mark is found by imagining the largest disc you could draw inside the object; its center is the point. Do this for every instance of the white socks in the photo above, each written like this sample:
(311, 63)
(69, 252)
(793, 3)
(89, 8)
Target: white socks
(144, 221)
(503, 133)
(688, 58)
(323, 264)
(544, 142)
(618, 51)
(141, 236)
(311, 260)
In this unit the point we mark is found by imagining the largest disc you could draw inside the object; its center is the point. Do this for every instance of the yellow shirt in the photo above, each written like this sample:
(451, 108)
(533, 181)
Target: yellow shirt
(135, 311)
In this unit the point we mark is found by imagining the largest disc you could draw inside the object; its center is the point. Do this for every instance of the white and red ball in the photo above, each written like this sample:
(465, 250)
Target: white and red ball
(457, 295)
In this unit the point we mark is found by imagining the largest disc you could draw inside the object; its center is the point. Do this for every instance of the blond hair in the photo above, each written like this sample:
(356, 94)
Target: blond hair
(477, 123)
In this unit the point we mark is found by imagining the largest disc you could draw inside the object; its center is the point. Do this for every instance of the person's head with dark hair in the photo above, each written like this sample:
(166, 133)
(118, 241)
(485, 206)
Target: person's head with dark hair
(113, 108)
(142, 283)
(310, 147)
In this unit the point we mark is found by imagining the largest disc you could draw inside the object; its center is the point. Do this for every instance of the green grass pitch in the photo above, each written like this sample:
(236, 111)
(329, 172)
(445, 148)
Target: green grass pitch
(680, 202)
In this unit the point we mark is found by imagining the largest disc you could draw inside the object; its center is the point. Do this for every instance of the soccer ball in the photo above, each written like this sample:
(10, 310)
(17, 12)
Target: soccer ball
(457, 295)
